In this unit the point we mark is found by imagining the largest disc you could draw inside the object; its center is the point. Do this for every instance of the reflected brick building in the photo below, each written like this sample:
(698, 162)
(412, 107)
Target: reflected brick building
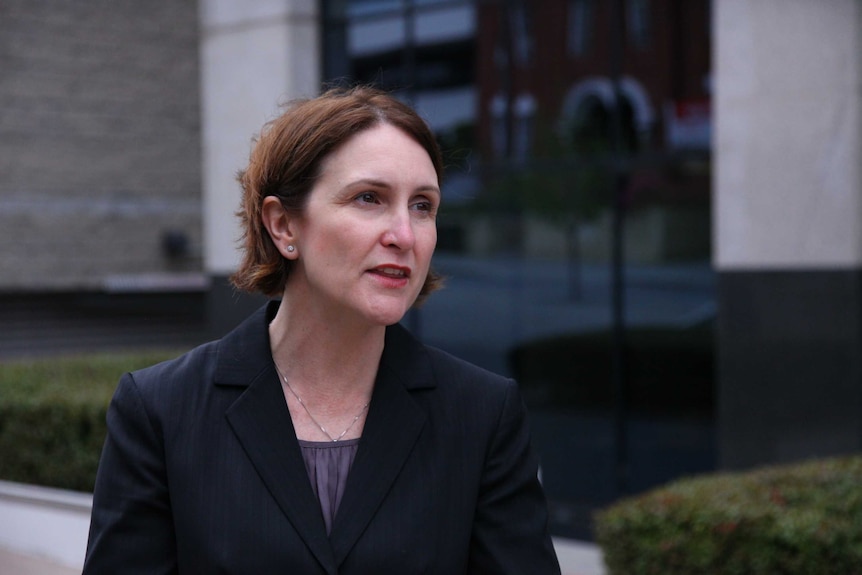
(550, 65)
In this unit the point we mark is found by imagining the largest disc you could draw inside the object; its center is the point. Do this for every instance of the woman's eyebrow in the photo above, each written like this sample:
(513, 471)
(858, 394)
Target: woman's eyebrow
(367, 182)
(372, 182)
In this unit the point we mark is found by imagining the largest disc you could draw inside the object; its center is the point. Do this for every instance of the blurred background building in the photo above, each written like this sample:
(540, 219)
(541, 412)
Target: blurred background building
(651, 213)
(100, 172)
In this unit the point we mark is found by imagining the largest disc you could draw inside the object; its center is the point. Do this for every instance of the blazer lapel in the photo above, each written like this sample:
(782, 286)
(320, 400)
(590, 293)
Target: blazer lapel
(260, 420)
(391, 429)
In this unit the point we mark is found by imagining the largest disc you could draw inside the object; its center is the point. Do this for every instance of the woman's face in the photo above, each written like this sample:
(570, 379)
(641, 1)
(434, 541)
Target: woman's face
(366, 236)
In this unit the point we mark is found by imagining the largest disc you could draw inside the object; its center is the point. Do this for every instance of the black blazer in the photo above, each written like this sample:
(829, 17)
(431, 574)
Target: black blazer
(201, 471)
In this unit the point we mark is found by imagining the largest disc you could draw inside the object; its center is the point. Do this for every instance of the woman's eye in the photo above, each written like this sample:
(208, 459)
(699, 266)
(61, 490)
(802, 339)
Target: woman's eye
(366, 198)
(424, 206)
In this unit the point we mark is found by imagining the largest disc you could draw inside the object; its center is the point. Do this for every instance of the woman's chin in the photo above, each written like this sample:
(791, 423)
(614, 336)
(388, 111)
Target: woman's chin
(388, 314)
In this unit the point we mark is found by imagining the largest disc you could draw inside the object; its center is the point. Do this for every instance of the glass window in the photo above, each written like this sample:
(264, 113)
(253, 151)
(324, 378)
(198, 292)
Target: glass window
(580, 26)
(567, 212)
(521, 33)
(638, 21)
(359, 8)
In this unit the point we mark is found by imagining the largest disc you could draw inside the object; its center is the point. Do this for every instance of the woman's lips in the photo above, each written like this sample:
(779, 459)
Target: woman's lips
(393, 271)
(392, 275)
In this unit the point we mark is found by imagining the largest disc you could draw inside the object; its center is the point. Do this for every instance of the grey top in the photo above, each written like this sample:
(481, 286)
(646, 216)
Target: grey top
(328, 463)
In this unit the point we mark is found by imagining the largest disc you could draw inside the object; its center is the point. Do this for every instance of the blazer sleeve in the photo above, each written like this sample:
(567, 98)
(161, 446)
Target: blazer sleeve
(510, 531)
(131, 530)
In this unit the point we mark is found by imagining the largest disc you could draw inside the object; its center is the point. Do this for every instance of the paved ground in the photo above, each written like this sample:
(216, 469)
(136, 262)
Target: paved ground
(576, 558)
(12, 563)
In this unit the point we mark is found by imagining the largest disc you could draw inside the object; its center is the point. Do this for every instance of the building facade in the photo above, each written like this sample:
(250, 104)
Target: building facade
(788, 243)
(100, 180)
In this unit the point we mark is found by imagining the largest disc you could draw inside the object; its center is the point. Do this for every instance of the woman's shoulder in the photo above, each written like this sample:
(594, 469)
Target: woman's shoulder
(473, 395)
(243, 348)
(445, 363)
(178, 372)
(446, 369)
(467, 383)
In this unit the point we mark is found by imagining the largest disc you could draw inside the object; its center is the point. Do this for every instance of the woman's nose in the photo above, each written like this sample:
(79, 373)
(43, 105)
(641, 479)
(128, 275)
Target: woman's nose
(399, 230)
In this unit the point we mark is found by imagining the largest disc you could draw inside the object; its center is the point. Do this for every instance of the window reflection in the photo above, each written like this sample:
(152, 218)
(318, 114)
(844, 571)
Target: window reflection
(580, 26)
(546, 145)
(638, 21)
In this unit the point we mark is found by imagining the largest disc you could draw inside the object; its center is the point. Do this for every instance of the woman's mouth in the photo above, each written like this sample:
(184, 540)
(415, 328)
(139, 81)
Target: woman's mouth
(393, 272)
(392, 276)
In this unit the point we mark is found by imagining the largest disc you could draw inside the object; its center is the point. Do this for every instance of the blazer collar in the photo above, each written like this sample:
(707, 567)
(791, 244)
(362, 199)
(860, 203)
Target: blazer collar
(258, 418)
(244, 353)
(392, 428)
(260, 421)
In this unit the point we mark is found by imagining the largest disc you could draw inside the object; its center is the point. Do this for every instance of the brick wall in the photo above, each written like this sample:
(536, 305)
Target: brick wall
(99, 140)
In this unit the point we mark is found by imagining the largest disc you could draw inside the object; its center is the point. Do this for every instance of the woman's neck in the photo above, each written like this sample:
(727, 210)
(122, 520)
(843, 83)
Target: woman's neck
(330, 363)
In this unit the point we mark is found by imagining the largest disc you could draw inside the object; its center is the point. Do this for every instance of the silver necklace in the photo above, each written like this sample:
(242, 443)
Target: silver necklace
(305, 407)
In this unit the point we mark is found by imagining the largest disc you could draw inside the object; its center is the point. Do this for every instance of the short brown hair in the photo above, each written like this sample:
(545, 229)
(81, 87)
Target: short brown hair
(285, 163)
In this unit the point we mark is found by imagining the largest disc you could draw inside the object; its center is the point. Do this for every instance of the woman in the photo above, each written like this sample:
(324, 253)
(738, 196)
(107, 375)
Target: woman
(319, 436)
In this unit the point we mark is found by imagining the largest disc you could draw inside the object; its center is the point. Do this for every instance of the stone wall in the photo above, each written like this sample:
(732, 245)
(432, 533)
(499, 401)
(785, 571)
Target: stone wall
(788, 232)
(99, 141)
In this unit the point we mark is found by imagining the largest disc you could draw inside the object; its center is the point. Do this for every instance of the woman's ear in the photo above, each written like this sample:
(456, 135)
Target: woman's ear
(281, 226)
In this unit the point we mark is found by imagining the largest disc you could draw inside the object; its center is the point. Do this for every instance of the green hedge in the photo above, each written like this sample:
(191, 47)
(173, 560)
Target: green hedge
(52, 416)
(792, 519)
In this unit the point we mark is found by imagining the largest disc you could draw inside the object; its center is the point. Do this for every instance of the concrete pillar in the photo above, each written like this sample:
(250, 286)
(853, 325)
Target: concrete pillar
(254, 56)
(788, 225)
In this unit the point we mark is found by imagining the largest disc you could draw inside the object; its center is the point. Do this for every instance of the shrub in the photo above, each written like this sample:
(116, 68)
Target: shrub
(52, 416)
(802, 518)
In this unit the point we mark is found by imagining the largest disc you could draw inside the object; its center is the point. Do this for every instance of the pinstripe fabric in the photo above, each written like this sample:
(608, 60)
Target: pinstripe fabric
(202, 473)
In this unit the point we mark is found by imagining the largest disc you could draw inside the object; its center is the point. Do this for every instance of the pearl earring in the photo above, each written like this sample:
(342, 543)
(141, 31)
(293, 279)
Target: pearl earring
(291, 249)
